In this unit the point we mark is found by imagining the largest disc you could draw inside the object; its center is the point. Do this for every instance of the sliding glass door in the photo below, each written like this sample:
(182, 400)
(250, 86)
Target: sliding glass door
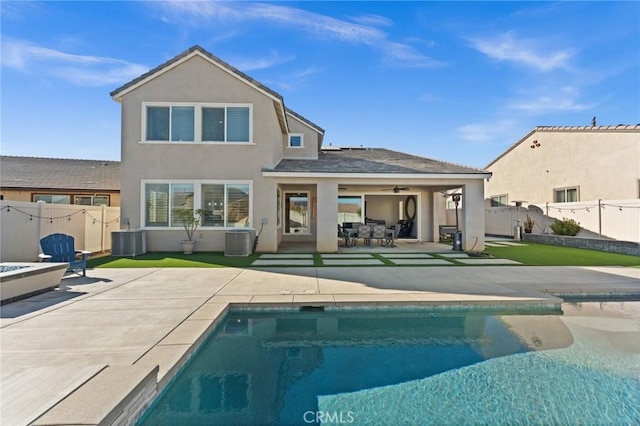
(296, 213)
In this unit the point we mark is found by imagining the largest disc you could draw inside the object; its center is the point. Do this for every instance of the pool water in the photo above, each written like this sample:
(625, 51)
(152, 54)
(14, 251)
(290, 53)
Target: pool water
(578, 366)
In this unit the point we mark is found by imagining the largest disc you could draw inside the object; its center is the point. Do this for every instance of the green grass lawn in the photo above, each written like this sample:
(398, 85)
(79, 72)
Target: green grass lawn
(532, 254)
(550, 255)
(173, 260)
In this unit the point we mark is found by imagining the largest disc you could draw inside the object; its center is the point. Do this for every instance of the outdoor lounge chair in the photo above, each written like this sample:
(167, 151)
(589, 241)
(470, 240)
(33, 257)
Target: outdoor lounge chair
(61, 248)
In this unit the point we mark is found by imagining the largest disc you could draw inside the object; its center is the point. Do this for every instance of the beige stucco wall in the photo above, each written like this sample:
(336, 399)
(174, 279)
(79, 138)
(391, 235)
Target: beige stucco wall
(310, 140)
(197, 80)
(602, 163)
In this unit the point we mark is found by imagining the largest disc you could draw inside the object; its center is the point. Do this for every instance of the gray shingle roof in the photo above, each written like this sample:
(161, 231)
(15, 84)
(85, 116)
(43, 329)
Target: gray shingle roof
(371, 160)
(59, 173)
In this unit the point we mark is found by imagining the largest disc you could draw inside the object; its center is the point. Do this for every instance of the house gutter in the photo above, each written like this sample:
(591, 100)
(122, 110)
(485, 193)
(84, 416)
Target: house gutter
(411, 176)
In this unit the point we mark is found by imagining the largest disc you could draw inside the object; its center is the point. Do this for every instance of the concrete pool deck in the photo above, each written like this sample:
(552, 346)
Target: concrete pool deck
(91, 351)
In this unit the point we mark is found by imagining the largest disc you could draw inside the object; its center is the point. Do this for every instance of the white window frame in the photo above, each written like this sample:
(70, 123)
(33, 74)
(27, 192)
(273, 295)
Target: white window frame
(197, 129)
(197, 201)
(301, 135)
(565, 189)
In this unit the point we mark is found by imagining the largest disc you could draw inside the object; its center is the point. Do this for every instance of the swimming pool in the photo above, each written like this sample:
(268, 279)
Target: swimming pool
(581, 365)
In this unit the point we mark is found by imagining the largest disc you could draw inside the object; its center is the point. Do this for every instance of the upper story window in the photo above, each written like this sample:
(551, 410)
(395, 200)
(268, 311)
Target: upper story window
(211, 123)
(565, 195)
(296, 140)
(498, 200)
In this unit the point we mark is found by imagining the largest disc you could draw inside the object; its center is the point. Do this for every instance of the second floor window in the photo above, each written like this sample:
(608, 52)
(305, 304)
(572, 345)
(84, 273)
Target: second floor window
(295, 140)
(198, 123)
(175, 123)
(566, 195)
(498, 200)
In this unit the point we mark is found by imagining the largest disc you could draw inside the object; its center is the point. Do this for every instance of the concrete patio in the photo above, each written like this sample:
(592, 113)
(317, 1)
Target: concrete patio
(98, 348)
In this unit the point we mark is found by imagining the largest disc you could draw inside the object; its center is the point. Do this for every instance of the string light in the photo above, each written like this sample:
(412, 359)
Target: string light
(67, 216)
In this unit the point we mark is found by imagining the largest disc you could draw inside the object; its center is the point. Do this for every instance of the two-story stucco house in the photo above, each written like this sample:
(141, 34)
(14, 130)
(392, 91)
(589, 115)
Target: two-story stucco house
(198, 133)
(565, 164)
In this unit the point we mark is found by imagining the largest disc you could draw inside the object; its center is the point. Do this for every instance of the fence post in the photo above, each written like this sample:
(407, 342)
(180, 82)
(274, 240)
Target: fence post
(41, 213)
(103, 227)
(600, 217)
(546, 214)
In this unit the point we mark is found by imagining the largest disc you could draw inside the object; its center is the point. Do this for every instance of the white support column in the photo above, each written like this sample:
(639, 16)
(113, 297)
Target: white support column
(439, 214)
(326, 209)
(473, 215)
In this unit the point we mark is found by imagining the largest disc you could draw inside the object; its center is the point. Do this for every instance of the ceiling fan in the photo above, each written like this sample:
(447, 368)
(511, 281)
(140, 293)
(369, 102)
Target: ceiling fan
(396, 189)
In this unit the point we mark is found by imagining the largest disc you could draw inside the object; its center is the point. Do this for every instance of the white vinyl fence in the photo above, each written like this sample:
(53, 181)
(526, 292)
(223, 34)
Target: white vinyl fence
(23, 224)
(613, 219)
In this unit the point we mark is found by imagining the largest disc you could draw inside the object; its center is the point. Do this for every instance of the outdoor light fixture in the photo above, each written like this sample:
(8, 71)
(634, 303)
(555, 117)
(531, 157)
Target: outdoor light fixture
(517, 230)
(456, 199)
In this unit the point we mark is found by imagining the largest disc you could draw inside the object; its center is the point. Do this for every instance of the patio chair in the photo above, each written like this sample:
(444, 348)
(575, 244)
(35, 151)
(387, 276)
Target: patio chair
(405, 229)
(343, 234)
(379, 234)
(61, 248)
(364, 233)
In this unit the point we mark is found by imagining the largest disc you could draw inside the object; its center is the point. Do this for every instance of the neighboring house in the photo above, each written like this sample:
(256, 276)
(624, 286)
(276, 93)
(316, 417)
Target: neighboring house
(564, 164)
(58, 180)
(198, 133)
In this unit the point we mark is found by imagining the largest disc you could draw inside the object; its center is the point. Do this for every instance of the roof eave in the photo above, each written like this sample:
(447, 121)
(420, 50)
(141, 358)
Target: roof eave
(343, 175)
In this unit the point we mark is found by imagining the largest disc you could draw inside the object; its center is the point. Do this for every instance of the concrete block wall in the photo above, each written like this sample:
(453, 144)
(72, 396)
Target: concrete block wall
(613, 246)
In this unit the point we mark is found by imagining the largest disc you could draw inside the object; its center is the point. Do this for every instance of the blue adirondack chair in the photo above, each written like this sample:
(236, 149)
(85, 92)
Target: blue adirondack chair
(61, 248)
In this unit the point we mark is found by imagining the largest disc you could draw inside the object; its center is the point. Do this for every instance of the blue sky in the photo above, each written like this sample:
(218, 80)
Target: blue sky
(455, 81)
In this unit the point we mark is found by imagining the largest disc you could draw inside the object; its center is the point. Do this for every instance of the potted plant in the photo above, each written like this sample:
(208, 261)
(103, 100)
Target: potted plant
(190, 220)
(528, 224)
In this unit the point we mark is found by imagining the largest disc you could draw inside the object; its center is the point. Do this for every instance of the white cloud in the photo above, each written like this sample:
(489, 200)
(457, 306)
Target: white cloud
(483, 133)
(527, 52)
(376, 20)
(320, 26)
(269, 61)
(564, 99)
(294, 79)
(545, 104)
(84, 70)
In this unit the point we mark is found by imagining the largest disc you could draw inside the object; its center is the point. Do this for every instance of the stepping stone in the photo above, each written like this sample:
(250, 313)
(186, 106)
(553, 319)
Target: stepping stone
(422, 262)
(491, 261)
(494, 244)
(346, 256)
(454, 255)
(286, 256)
(282, 262)
(407, 255)
(352, 262)
(509, 243)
